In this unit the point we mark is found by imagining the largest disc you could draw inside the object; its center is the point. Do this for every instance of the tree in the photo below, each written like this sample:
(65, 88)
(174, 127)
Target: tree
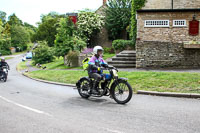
(14, 20)
(31, 30)
(3, 17)
(118, 14)
(5, 41)
(136, 4)
(19, 37)
(7, 29)
(1, 26)
(88, 25)
(63, 42)
(47, 29)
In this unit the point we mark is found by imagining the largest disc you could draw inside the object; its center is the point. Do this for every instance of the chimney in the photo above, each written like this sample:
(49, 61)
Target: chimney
(104, 2)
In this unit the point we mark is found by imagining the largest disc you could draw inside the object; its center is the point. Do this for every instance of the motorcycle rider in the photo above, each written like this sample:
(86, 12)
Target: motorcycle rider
(3, 63)
(95, 67)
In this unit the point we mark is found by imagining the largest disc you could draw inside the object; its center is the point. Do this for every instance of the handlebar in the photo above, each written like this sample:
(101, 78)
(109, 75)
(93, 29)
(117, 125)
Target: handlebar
(112, 67)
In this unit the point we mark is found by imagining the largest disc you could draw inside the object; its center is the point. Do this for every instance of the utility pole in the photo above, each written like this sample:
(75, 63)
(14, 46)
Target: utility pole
(172, 4)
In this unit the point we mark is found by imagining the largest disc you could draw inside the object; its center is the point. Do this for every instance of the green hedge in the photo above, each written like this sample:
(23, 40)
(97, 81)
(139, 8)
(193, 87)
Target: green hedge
(5, 52)
(43, 53)
(123, 44)
(108, 50)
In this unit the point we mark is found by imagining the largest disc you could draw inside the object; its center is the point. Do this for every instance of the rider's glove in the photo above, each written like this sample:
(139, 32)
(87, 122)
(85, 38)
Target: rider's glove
(99, 68)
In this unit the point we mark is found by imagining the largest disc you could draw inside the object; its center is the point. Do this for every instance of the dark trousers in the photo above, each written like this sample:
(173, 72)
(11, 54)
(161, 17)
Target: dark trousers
(95, 76)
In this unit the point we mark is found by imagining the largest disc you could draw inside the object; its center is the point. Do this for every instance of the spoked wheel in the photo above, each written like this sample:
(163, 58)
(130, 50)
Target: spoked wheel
(122, 92)
(84, 88)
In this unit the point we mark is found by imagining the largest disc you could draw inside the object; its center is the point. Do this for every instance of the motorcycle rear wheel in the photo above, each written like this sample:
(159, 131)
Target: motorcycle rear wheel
(122, 92)
(84, 88)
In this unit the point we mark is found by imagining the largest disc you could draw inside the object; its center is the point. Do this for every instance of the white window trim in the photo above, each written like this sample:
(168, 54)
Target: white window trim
(145, 25)
(180, 25)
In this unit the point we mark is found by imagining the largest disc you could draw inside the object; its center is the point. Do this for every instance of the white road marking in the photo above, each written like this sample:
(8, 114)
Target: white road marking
(113, 131)
(25, 107)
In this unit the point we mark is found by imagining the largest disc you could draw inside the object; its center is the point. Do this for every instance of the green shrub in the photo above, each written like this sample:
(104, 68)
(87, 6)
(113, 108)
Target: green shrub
(108, 50)
(5, 52)
(43, 53)
(5, 44)
(123, 44)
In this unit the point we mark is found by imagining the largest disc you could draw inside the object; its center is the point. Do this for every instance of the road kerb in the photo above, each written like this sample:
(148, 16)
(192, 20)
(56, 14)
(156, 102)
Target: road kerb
(169, 94)
(49, 82)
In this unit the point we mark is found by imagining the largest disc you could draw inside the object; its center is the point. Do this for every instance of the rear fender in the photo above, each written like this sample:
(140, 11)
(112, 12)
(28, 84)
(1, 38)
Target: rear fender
(78, 84)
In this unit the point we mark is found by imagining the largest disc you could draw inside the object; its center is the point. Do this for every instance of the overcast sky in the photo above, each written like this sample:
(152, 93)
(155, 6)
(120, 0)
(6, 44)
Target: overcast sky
(30, 10)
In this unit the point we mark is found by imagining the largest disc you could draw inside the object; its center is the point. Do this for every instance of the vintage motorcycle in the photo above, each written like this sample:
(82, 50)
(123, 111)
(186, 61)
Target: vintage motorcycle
(4, 73)
(111, 85)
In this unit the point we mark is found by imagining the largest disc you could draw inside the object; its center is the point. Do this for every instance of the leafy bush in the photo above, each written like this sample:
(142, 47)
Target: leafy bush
(5, 45)
(108, 50)
(123, 44)
(79, 45)
(43, 53)
(5, 52)
(88, 25)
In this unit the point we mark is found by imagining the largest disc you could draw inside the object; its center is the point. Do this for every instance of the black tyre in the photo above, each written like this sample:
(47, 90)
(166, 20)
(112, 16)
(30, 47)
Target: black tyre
(5, 77)
(122, 92)
(84, 88)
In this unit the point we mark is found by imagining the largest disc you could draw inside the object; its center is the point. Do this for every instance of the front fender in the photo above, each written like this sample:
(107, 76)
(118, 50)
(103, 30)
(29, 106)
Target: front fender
(113, 84)
(78, 84)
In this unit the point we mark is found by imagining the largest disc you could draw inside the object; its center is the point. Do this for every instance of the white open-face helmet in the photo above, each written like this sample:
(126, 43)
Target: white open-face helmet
(2, 59)
(96, 49)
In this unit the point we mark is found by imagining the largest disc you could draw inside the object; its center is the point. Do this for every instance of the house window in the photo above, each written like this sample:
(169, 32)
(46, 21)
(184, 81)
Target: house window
(156, 23)
(179, 23)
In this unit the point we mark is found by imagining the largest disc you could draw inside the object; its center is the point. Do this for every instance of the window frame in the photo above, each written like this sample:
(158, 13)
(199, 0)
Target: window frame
(185, 23)
(157, 26)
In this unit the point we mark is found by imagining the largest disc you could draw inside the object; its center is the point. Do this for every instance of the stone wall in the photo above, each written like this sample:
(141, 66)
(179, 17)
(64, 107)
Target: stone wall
(158, 4)
(180, 4)
(153, 54)
(167, 4)
(169, 34)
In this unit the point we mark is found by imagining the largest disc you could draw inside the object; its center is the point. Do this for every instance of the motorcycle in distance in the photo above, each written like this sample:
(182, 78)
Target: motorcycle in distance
(117, 88)
(4, 73)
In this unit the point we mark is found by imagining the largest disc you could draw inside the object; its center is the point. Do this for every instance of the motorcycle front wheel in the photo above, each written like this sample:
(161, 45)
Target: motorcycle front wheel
(84, 88)
(122, 92)
(5, 77)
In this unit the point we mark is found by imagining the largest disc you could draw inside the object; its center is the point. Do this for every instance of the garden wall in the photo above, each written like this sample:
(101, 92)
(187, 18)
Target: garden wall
(156, 54)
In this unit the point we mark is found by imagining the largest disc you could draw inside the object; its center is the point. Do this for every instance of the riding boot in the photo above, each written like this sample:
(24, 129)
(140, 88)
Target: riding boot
(95, 88)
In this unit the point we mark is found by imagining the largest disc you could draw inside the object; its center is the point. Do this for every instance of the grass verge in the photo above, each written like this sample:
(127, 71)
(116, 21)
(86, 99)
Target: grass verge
(59, 64)
(22, 66)
(8, 58)
(150, 81)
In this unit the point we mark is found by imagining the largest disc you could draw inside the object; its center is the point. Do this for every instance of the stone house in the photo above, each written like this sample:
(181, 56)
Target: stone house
(102, 37)
(163, 29)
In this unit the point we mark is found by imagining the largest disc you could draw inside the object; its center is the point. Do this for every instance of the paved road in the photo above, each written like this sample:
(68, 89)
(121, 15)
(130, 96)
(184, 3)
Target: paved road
(28, 106)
